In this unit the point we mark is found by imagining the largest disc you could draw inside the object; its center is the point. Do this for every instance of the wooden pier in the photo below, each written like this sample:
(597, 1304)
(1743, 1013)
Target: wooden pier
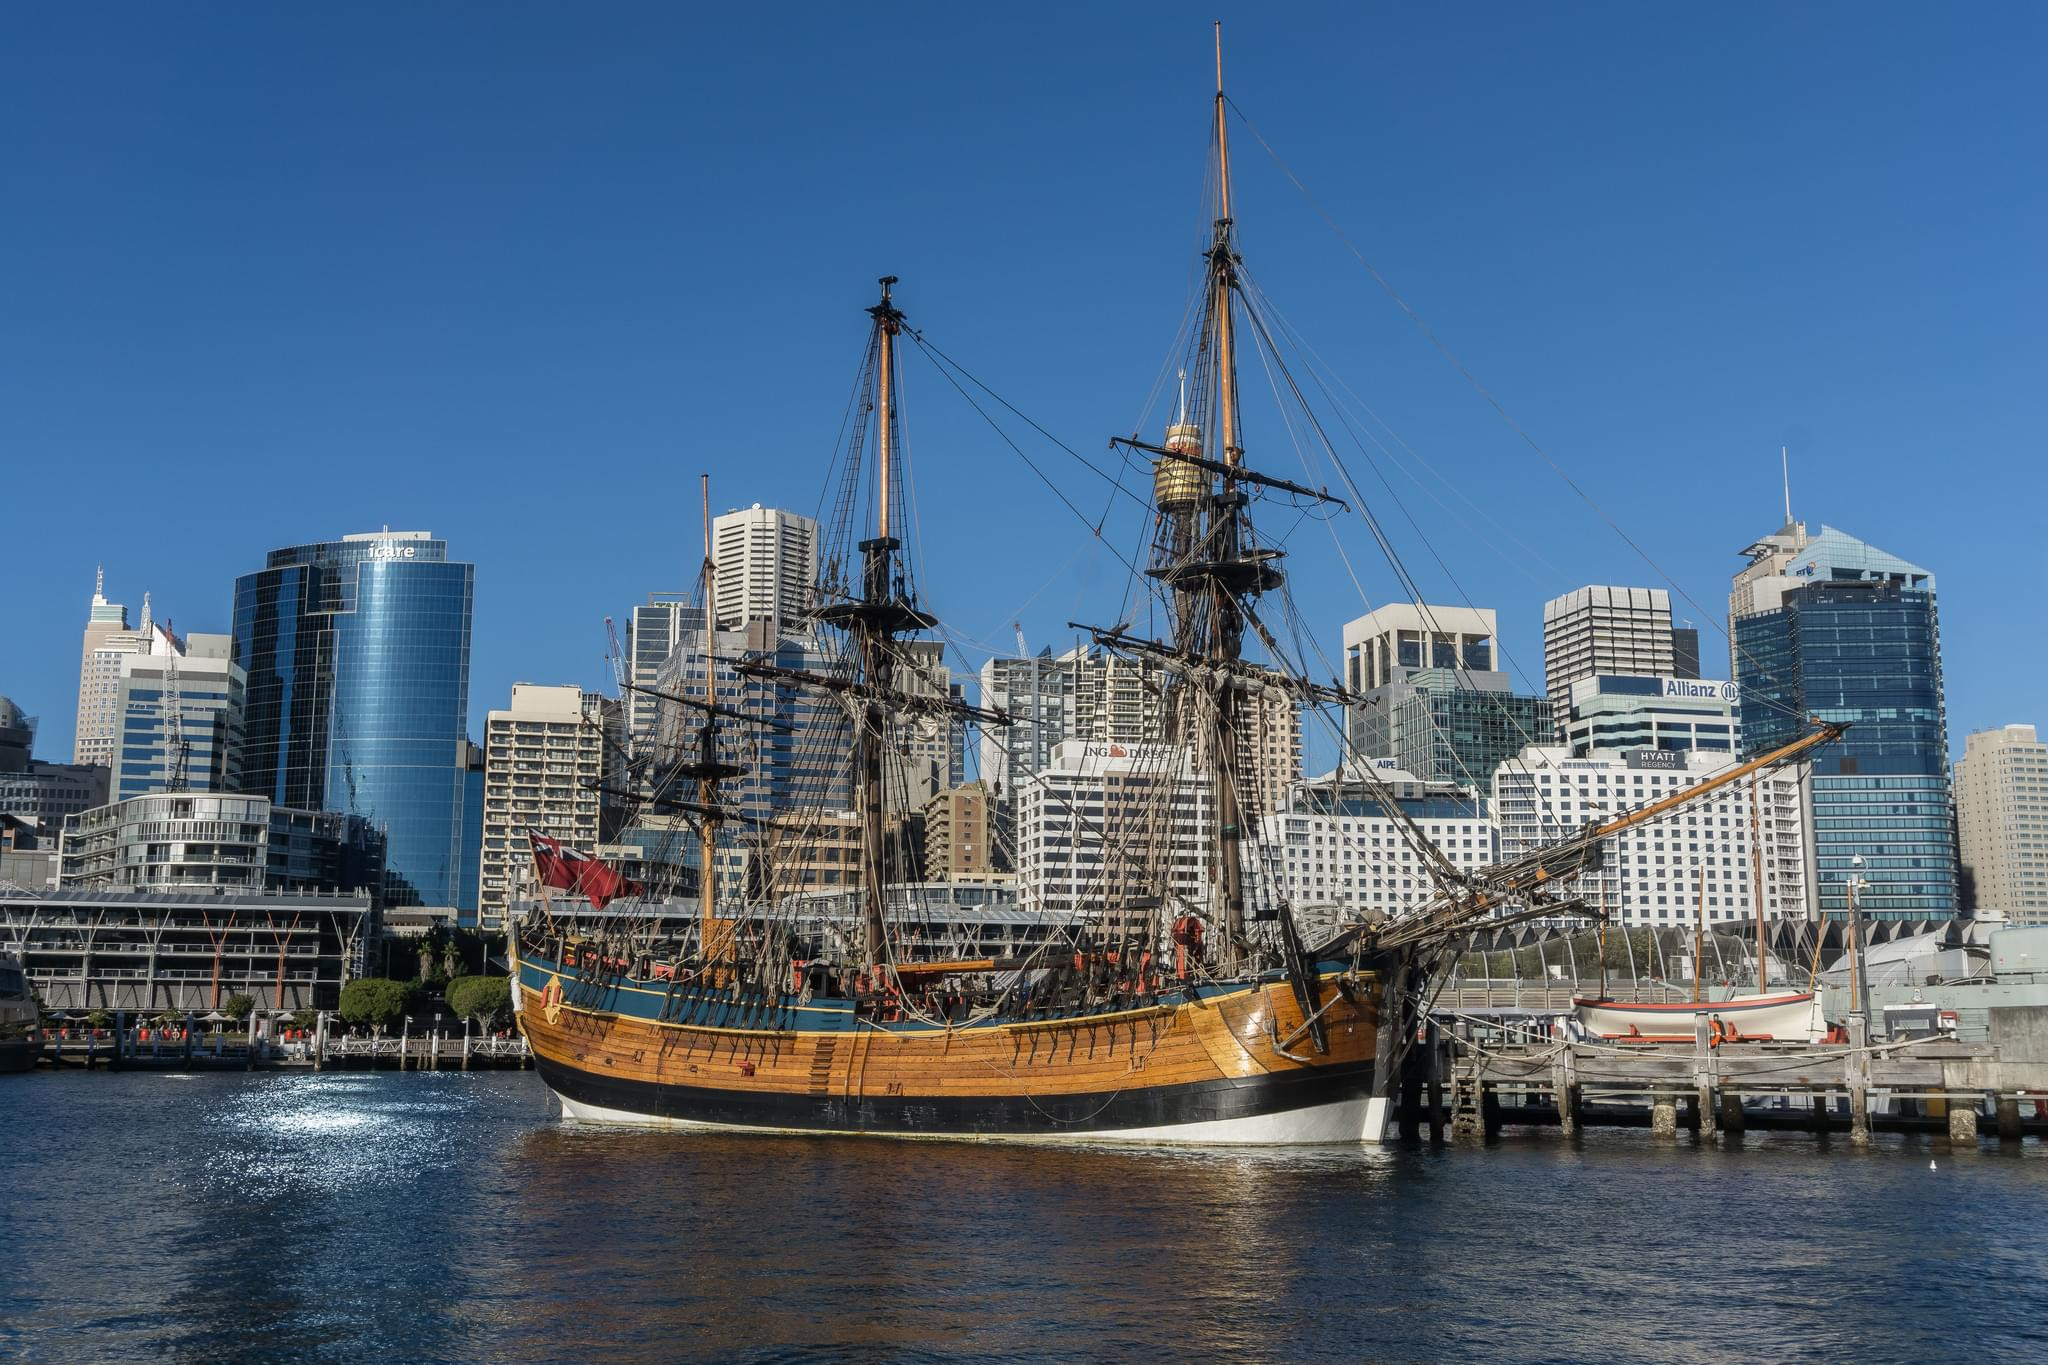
(1496, 1077)
(432, 1052)
(126, 1050)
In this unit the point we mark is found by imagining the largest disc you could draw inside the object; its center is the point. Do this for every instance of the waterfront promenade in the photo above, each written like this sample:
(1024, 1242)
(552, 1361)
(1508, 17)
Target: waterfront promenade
(143, 1049)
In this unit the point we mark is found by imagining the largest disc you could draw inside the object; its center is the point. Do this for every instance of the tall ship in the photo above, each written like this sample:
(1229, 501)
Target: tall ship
(1179, 999)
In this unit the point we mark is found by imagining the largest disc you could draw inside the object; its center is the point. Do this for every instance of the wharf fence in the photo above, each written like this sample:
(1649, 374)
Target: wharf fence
(1484, 1074)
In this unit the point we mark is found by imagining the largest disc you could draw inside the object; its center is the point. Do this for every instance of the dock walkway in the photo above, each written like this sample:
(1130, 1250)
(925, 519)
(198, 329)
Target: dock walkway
(1501, 1077)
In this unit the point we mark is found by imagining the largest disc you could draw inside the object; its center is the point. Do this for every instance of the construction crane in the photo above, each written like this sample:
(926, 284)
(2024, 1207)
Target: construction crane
(617, 656)
(177, 749)
(1023, 650)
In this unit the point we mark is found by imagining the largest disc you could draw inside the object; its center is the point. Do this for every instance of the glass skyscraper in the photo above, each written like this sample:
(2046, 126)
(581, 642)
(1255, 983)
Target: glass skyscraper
(1831, 627)
(357, 658)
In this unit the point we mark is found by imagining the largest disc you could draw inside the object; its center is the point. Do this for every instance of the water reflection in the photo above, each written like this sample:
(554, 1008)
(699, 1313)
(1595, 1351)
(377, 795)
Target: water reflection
(780, 1244)
(448, 1217)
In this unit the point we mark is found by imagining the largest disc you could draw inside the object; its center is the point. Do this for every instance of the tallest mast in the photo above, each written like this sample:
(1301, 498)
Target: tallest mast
(1223, 277)
(1225, 579)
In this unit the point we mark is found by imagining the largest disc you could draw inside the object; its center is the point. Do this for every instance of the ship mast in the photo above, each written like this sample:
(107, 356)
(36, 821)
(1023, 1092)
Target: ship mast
(873, 620)
(714, 935)
(883, 610)
(872, 639)
(1205, 555)
(717, 937)
(1226, 623)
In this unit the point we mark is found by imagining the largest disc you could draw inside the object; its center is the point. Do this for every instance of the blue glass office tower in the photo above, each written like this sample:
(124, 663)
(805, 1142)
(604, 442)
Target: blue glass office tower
(357, 699)
(1829, 626)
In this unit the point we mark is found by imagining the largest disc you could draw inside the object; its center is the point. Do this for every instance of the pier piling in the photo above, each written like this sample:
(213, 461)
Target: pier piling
(1859, 1081)
(1411, 1095)
(2008, 1118)
(1730, 1117)
(1703, 1079)
(1438, 1058)
(1565, 1081)
(1962, 1119)
(1664, 1117)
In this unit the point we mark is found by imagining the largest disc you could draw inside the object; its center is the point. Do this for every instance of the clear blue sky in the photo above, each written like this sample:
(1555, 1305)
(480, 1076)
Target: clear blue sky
(517, 273)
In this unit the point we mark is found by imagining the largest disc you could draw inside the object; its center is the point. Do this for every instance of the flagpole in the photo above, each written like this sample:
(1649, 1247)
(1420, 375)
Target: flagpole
(547, 903)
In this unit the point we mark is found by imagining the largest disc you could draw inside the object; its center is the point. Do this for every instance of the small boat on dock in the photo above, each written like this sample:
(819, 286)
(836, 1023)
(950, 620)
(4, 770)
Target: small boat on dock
(1786, 1016)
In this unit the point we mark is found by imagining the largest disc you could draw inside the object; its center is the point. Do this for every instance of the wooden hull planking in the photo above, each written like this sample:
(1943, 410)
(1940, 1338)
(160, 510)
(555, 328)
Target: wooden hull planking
(1212, 1070)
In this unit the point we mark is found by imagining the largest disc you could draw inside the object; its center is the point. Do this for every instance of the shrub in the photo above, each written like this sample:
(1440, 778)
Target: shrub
(375, 1001)
(482, 998)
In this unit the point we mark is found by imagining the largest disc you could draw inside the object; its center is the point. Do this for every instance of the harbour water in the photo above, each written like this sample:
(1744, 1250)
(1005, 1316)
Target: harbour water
(362, 1216)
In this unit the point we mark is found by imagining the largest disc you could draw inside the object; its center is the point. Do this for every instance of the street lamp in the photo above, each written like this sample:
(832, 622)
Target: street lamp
(1699, 929)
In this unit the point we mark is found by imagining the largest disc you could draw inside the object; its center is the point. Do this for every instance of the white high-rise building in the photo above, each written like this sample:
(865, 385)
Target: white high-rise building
(1336, 852)
(1037, 693)
(932, 752)
(767, 567)
(2002, 818)
(1665, 871)
(1116, 700)
(1106, 825)
(1432, 699)
(1614, 712)
(1385, 646)
(1268, 750)
(653, 632)
(1596, 630)
(1122, 701)
(203, 751)
(543, 765)
(1094, 695)
(107, 640)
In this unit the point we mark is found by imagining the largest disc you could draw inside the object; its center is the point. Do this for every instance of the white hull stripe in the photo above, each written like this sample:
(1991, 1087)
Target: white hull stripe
(1344, 1121)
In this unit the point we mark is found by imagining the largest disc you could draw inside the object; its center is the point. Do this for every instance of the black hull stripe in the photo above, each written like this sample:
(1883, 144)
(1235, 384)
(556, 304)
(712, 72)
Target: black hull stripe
(1156, 1106)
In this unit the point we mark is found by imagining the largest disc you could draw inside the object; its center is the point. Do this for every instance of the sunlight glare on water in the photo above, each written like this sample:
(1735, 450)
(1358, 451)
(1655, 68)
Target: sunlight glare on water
(447, 1216)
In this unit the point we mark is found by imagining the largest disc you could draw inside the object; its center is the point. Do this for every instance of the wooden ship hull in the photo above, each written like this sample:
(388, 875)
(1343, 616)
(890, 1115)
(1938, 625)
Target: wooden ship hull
(1230, 1064)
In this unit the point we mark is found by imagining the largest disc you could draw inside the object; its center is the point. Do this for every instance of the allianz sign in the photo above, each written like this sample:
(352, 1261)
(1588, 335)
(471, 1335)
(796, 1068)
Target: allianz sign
(1693, 689)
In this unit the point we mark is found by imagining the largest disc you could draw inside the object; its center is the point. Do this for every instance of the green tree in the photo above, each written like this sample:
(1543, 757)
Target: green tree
(99, 1019)
(482, 998)
(238, 1008)
(306, 1019)
(376, 1001)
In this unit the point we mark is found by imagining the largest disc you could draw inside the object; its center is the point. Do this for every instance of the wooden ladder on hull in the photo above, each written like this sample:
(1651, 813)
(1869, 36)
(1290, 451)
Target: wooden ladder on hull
(821, 1066)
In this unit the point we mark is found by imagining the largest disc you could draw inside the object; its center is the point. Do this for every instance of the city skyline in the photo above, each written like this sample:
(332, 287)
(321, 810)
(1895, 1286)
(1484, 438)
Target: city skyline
(1546, 285)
